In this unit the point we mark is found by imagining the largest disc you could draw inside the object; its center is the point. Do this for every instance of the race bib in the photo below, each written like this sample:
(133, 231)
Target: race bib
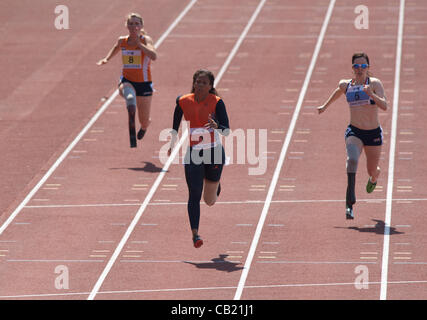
(131, 59)
(356, 96)
(202, 138)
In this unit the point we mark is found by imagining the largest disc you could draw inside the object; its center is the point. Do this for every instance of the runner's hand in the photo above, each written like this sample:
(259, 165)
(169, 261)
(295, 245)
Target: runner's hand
(367, 88)
(321, 109)
(102, 61)
(173, 141)
(211, 123)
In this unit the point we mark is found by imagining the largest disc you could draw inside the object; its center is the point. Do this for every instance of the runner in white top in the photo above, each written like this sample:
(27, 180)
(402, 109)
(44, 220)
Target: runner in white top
(364, 95)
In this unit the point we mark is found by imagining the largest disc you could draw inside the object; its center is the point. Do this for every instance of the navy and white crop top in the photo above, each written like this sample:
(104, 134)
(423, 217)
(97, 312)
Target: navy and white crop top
(356, 96)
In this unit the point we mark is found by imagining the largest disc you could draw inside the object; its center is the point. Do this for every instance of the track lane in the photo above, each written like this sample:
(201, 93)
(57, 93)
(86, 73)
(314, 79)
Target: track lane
(406, 255)
(316, 169)
(208, 260)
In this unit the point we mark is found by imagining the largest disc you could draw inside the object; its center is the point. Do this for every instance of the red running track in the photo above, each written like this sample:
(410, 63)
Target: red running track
(107, 214)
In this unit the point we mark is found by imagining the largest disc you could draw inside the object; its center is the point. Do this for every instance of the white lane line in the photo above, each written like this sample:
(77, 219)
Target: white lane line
(179, 261)
(240, 40)
(384, 268)
(167, 164)
(290, 285)
(313, 262)
(51, 260)
(289, 134)
(57, 163)
(406, 200)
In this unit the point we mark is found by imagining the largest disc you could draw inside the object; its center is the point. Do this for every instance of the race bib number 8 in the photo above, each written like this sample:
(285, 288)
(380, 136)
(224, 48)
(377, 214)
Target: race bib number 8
(131, 59)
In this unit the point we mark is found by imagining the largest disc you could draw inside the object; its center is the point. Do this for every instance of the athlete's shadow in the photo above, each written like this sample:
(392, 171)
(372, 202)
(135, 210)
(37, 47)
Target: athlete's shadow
(378, 228)
(219, 264)
(149, 167)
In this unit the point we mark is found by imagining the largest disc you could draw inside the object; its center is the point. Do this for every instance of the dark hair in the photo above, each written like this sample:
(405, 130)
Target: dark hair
(361, 55)
(211, 77)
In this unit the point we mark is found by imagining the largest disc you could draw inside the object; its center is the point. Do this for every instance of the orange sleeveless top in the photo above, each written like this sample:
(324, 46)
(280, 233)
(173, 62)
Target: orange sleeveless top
(197, 113)
(136, 65)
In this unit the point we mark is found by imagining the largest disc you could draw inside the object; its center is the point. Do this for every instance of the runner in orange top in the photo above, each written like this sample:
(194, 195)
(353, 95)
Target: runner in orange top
(205, 157)
(135, 82)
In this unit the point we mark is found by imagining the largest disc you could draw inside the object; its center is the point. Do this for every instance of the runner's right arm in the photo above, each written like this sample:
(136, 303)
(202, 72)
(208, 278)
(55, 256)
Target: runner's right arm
(111, 53)
(177, 117)
(334, 96)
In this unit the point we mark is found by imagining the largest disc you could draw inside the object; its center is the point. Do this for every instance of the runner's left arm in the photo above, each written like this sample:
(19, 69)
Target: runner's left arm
(220, 119)
(148, 48)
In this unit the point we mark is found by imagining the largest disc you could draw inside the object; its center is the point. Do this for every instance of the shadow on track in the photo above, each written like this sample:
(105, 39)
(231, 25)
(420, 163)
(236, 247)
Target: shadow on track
(149, 167)
(219, 264)
(378, 228)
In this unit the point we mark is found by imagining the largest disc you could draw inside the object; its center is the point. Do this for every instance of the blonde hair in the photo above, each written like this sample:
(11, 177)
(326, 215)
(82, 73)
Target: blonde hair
(138, 16)
(134, 15)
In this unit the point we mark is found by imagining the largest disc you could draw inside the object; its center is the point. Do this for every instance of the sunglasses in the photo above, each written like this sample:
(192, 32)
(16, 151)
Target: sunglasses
(363, 66)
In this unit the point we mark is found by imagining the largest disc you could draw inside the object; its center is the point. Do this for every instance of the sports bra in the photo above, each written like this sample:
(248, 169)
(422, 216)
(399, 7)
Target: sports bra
(356, 96)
